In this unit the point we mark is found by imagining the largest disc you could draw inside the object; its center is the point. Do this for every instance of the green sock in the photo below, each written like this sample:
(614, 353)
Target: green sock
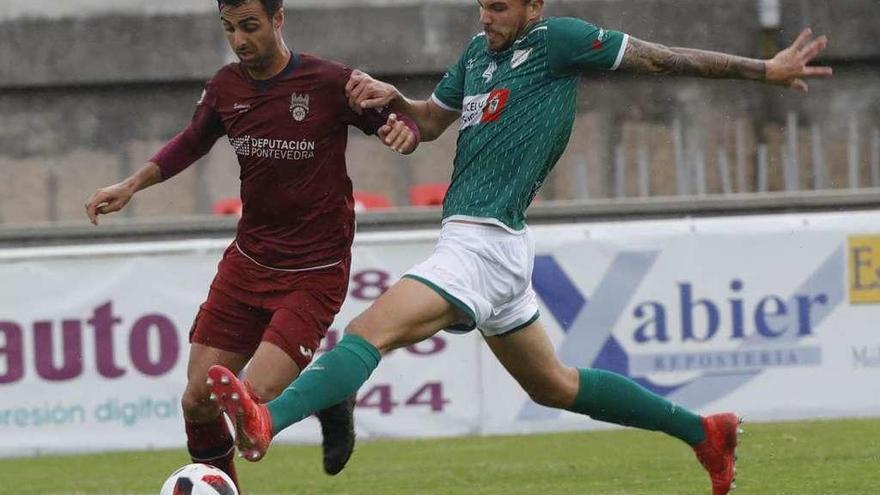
(329, 381)
(614, 398)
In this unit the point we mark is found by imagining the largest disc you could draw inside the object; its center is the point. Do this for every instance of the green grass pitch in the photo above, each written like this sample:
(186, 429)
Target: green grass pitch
(821, 458)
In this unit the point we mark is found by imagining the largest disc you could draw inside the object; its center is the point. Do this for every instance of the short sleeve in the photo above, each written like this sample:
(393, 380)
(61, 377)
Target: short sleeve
(449, 93)
(578, 46)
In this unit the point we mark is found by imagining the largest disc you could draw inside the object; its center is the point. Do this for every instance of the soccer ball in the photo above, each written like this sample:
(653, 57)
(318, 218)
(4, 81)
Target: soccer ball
(198, 479)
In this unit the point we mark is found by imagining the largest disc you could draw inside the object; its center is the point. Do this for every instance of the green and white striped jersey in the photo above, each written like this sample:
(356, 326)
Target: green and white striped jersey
(517, 110)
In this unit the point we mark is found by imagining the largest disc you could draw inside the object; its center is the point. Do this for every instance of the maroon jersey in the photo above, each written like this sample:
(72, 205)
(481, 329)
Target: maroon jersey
(290, 133)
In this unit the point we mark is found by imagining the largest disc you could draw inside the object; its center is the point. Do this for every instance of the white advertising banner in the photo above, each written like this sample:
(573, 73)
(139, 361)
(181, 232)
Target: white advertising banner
(771, 316)
(774, 317)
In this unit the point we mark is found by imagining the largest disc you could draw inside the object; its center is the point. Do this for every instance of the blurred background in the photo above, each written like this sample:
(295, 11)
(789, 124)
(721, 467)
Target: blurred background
(90, 89)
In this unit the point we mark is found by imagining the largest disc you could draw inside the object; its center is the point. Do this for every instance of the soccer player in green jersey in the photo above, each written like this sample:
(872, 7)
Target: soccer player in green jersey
(514, 89)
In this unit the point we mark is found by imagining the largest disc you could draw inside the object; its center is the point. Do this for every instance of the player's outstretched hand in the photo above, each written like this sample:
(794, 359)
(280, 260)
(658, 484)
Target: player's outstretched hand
(789, 67)
(365, 92)
(398, 136)
(108, 200)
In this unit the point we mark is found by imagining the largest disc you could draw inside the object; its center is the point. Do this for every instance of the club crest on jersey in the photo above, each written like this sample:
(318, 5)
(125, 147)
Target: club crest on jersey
(494, 103)
(299, 107)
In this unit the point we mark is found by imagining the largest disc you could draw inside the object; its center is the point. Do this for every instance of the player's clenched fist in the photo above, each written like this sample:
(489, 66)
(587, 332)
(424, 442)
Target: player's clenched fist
(398, 136)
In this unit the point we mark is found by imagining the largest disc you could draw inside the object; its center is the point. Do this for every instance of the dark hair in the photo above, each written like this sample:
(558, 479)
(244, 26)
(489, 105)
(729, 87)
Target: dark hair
(270, 6)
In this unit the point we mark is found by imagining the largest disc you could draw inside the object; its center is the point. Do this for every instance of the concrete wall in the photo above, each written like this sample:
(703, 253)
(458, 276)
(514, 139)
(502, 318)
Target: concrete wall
(397, 38)
(85, 98)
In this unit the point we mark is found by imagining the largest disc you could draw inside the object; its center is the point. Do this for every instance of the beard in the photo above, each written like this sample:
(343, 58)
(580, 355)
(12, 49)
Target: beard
(255, 62)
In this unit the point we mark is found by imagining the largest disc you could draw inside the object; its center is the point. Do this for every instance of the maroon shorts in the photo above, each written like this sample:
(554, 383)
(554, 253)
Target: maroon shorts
(248, 304)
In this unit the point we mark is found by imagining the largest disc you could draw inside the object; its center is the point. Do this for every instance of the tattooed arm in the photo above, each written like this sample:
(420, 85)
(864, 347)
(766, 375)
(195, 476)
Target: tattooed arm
(787, 68)
(653, 58)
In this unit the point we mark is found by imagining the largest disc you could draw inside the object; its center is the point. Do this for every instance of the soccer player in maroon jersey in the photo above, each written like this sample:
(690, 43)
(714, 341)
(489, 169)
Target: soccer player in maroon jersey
(284, 278)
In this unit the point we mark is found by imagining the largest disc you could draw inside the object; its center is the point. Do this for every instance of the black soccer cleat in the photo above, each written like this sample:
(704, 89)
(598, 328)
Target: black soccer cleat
(337, 426)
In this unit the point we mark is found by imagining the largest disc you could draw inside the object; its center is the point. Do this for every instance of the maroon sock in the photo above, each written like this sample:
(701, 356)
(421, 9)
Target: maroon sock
(212, 443)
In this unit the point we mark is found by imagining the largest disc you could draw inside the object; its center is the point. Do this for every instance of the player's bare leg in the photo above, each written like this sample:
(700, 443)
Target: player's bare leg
(271, 371)
(407, 313)
(530, 358)
(268, 373)
(209, 440)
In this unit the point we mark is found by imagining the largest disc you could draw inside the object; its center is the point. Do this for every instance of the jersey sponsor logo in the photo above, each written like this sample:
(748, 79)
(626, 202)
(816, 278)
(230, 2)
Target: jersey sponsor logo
(306, 351)
(299, 107)
(519, 58)
(484, 108)
(490, 71)
(277, 149)
(470, 63)
(241, 107)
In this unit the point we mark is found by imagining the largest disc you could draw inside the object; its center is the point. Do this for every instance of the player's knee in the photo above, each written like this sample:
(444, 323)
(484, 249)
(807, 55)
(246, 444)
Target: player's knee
(362, 327)
(550, 397)
(197, 405)
(556, 391)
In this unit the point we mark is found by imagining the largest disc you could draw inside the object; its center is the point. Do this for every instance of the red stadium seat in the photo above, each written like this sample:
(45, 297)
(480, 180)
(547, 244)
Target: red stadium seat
(228, 206)
(427, 194)
(370, 201)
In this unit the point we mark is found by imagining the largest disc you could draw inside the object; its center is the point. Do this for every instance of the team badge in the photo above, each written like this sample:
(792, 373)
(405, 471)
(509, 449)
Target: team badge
(299, 107)
(495, 103)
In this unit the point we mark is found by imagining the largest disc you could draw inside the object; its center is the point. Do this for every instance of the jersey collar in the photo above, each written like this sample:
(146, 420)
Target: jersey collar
(264, 84)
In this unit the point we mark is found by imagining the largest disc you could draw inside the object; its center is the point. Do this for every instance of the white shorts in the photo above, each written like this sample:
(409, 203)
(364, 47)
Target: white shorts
(486, 272)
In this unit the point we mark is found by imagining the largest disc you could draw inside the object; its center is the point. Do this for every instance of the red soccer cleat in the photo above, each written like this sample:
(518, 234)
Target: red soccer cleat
(252, 421)
(717, 453)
